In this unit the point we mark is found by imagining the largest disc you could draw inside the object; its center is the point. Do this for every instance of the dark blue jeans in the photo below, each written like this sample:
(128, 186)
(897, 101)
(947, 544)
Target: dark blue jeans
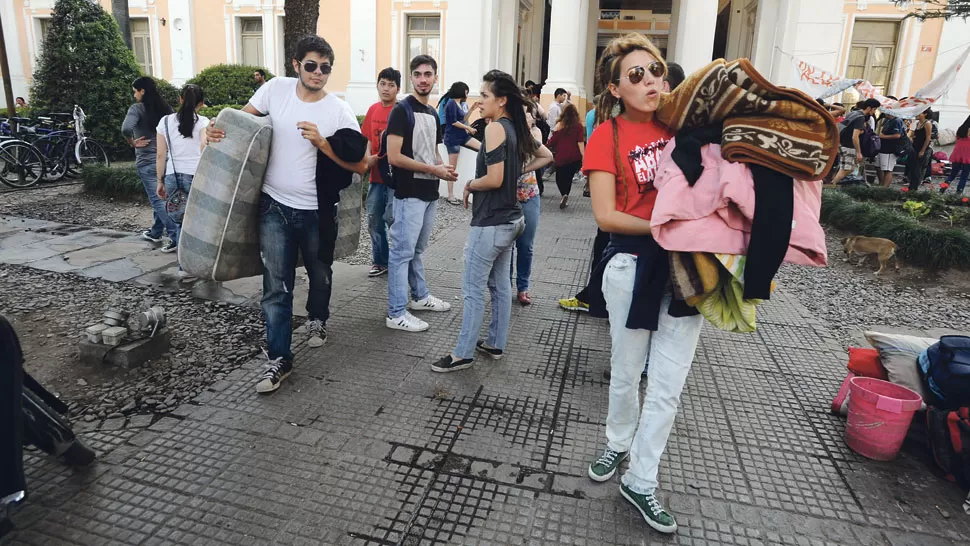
(379, 197)
(283, 232)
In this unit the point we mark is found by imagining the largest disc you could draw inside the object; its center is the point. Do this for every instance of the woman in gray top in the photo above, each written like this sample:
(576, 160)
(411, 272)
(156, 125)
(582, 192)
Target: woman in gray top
(496, 221)
(139, 128)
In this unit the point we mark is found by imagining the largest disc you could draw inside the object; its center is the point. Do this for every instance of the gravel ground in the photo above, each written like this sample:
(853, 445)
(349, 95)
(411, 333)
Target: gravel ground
(71, 205)
(446, 217)
(50, 311)
(852, 299)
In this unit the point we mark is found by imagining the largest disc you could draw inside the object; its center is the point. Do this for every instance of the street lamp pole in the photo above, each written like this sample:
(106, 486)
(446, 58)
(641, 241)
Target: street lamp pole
(5, 68)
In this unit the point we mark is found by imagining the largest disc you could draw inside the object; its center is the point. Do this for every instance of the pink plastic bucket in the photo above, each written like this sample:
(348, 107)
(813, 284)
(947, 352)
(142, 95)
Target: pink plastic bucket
(880, 413)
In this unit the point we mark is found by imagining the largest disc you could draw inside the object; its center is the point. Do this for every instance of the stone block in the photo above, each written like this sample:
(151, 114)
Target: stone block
(127, 355)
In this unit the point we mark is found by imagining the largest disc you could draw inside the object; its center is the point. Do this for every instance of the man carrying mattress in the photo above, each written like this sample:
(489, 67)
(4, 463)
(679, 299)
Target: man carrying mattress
(304, 116)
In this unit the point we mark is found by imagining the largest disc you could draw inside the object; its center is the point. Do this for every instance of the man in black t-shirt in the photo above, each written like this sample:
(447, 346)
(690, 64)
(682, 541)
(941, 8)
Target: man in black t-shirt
(413, 135)
(849, 134)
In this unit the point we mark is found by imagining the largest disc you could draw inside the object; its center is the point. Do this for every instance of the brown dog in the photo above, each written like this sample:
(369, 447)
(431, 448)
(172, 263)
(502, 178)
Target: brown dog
(864, 246)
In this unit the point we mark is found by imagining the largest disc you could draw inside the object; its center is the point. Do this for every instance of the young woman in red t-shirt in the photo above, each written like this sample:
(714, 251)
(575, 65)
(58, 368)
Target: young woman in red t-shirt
(621, 161)
(567, 142)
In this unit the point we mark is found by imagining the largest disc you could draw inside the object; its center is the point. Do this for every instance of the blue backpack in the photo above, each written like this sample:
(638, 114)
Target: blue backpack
(383, 163)
(945, 368)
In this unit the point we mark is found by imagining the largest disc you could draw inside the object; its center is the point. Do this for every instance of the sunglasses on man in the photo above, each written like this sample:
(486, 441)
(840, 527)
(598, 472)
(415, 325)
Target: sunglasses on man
(312, 66)
(636, 73)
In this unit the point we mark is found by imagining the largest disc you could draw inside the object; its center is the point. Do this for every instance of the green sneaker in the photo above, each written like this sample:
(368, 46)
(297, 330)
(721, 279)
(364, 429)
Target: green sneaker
(603, 468)
(651, 510)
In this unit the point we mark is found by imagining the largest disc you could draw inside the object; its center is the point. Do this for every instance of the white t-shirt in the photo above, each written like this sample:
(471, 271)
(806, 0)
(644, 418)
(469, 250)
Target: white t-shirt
(186, 151)
(552, 115)
(291, 174)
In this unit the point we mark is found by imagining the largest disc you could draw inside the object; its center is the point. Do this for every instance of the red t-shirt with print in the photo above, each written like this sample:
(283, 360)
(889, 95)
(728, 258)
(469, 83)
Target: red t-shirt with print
(374, 124)
(641, 146)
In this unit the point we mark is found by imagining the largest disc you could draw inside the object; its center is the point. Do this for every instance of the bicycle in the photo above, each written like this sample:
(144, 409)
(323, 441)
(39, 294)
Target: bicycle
(21, 164)
(62, 143)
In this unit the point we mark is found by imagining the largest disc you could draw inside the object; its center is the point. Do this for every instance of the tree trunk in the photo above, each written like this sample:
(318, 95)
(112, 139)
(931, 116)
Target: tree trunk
(300, 21)
(119, 9)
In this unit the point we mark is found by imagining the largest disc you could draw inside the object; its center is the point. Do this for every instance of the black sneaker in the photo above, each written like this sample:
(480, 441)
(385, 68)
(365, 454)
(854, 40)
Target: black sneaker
(317, 331)
(147, 235)
(490, 352)
(376, 271)
(275, 373)
(169, 247)
(449, 364)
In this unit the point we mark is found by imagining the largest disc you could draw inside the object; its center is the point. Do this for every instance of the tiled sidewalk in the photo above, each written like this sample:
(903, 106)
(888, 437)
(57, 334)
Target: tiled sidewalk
(364, 445)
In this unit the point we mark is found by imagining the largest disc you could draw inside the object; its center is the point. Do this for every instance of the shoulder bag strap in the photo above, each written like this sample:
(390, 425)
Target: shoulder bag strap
(168, 140)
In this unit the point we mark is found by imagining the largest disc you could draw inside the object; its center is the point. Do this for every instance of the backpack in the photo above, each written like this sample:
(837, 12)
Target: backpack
(869, 141)
(945, 369)
(949, 439)
(896, 146)
(383, 163)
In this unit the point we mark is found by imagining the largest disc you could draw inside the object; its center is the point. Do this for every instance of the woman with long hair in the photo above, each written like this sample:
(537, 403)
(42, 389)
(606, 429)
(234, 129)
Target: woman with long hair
(139, 129)
(960, 157)
(528, 195)
(568, 143)
(180, 138)
(496, 220)
(453, 111)
(621, 162)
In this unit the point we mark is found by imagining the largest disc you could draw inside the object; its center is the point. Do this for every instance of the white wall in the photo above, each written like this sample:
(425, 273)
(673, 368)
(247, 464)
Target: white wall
(808, 29)
(953, 107)
(466, 31)
(12, 39)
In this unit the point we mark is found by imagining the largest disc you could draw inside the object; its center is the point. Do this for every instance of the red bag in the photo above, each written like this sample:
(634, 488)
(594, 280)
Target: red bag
(865, 362)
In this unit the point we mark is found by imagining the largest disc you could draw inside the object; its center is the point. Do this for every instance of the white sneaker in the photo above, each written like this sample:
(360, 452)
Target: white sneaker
(406, 322)
(430, 303)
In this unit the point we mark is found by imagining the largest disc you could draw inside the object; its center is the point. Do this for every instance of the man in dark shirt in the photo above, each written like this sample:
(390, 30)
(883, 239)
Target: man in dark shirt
(849, 134)
(413, 135)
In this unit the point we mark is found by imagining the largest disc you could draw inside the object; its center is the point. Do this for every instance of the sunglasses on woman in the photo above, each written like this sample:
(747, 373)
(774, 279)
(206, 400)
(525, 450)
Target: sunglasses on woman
(311, 67)
(636, 73)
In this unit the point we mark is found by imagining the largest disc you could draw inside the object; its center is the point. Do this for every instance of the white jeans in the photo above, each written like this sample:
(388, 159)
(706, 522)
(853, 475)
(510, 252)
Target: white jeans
(671, 351)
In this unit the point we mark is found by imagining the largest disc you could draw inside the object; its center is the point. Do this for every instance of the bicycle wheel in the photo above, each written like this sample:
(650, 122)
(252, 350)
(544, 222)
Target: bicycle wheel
(87, 151)
(55, 157)
(21, 165)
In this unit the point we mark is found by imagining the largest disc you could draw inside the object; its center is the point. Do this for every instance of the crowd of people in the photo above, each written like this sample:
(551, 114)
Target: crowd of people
(618, 150)
(899, 139)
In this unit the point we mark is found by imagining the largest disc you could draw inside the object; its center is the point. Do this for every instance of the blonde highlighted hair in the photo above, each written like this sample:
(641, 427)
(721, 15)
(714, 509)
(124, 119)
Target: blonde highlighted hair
(609, 107)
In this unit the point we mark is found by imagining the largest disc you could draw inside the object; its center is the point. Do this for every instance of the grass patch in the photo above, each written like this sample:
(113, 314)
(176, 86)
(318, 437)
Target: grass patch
(919, 244)
(119, 181)
(879, 194)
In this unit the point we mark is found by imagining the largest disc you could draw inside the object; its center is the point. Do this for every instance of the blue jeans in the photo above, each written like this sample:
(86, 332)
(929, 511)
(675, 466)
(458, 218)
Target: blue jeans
(524, 244)
(149, 178)
(377, 198)
(413, 220)
(171, 186)
(284, 231)
(488, 255)
(963, 171)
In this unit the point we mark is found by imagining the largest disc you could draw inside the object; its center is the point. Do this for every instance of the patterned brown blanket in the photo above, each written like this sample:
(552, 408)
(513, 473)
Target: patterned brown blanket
(777, 127)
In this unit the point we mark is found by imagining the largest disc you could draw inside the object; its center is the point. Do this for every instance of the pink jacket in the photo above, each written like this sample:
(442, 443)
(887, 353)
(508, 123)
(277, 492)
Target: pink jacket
(715, 214)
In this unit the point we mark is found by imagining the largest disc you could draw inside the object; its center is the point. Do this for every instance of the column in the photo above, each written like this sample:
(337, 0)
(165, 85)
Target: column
(692, 25)
(508, 24)
(18, 79)
(269, 36)
(466, 41)
(362, 87)
(182, 40)
(567, 23)
(581, 69)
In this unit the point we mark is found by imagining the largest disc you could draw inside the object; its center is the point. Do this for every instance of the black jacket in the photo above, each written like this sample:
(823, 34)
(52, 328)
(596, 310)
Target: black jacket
(349, 145)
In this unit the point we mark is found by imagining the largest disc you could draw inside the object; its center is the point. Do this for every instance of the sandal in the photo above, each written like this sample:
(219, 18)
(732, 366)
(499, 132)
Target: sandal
(524, 298)
(454, 201)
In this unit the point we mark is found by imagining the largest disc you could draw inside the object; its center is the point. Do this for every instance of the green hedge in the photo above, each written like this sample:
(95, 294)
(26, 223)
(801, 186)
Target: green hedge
(119, 181)
(918, 244)
(169, 93)
(228, 83)
(885, 195)
(213, 111)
